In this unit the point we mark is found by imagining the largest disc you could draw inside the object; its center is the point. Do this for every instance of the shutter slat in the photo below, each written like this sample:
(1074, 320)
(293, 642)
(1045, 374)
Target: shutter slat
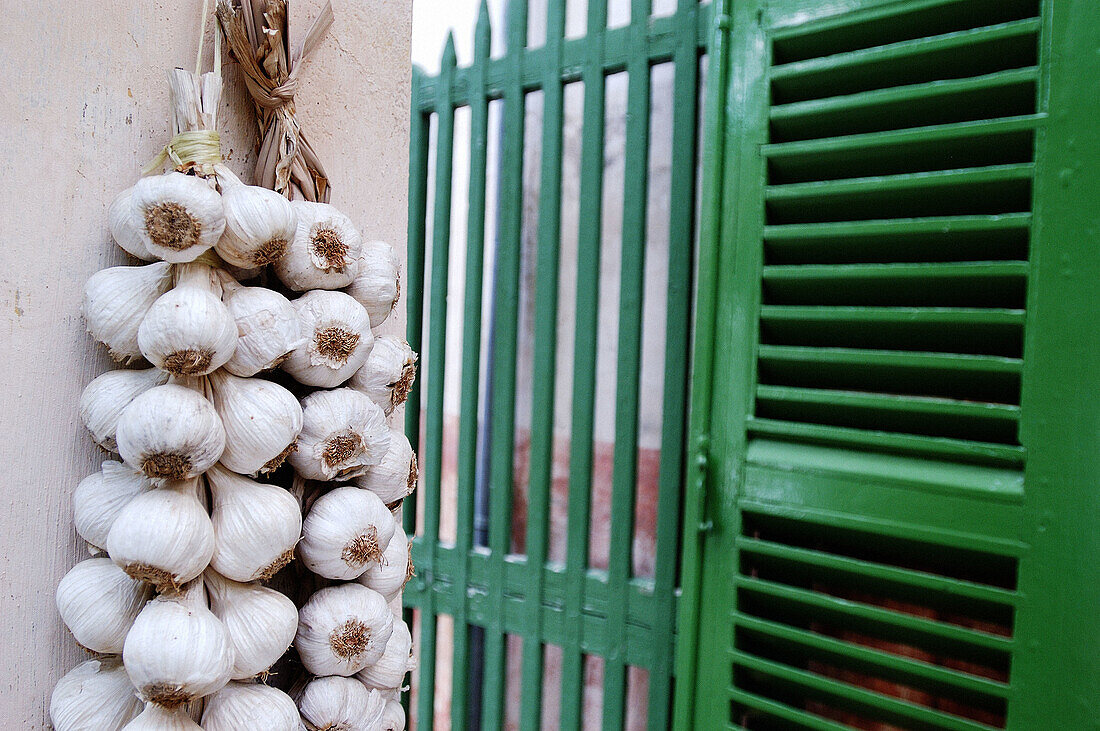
(857, 357)
(779, 710)
(896, 315)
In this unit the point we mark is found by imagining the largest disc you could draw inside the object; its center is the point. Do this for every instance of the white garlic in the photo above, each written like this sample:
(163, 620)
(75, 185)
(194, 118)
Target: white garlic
(179, 216)
(163, 536)
(256, 526)
(341, 703)
(345, 533)
(389, 576)
(259, 223)
(115, 302)
(338, 339)
(177, 649)
(170, 432)
(261, 622)
(262, 421)
(395, 476)
(393, 717)
(108, 394)
(98, 602)
(156, 718)
(388, 374)
(342, 629)
(101, 496)
(188, 331)
(325, 250)
(124, 226)
(377, 286)
(250, 707)
(96, 694)
(267, 328)
(396, 661)
(343, 433)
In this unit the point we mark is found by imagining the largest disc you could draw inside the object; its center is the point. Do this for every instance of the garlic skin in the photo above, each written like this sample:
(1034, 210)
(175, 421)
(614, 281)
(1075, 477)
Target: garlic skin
(98, 603)
(256, 526)
(262, 421)
(396, 661)
(261, 622)
(377, 286)
(393, 717)
(343, 433)
(345, 533)
(267, 328)
(188, 331)
(388, 375)
(101, 496)
(394, 477)
(115, 302)
(338, 339)
(124, 226)
(163, 536)
(178, 650)
(170, 432)
(103, 400)
(179, 216)
(259, 224)
(341, 703)
(245, 706)
(325, 250)
(155, 718)
(342, 629)
(96, 694)
(389, 576)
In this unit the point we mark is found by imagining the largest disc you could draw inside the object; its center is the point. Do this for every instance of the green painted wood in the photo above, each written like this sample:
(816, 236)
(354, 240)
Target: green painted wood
(778, 710)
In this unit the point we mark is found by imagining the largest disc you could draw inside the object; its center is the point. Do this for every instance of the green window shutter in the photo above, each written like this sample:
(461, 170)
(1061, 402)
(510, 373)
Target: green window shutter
(891, 298)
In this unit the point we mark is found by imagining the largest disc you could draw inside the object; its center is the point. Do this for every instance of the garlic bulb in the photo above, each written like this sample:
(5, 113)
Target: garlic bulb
(261, 622)
(115, 302)
(389, 576)
(388, 374)
(163, 536)
(124, 226)
(156, 718)
(262, 421)
(108, 394)
(188, 331)
(393, 717)
(341, 703)
(346, 531)
(259, 223)
(343, 432)
(267, 328)
(250, 707)
(338, 339)
(177, 649)
(101, 496)
(96, 694)
(394, 477)
(342, 629)
(179, 216)
(256, 526)
(396, 661)
(324, 253)
(377, 286)
(98, 603)
(170, 432)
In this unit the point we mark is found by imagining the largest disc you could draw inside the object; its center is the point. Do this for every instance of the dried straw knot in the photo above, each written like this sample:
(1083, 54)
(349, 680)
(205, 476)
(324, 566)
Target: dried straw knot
(171, 226)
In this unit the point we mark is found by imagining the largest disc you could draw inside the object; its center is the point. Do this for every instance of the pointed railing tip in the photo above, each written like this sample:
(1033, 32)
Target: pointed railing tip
(483, 30)
(449, 57)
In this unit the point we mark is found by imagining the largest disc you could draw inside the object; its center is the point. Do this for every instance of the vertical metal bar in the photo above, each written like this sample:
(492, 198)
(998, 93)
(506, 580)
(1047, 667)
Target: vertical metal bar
(437, 355)
(471, 358)
(678, 318)
(505, 315)
(589, 231)
(631, 287)
(545, 362)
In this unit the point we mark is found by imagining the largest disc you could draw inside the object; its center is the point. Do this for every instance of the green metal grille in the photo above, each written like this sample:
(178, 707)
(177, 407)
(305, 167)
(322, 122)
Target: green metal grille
(624, 619)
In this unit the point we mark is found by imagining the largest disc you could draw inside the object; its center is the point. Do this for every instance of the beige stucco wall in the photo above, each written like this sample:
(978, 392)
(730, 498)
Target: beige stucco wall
(83, 106)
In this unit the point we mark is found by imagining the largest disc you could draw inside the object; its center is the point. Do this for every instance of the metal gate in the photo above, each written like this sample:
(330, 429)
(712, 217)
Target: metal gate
(491, 589)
